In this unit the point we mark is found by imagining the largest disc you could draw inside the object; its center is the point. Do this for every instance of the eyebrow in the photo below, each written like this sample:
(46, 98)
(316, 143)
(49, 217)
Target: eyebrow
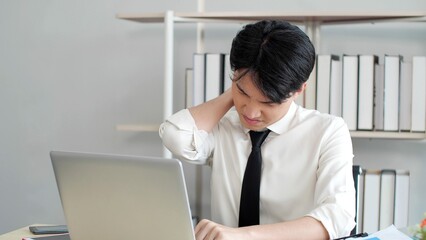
(239, 88)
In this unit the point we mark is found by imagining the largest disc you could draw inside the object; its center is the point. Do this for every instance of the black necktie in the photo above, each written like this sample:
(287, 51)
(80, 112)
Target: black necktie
(249, 202)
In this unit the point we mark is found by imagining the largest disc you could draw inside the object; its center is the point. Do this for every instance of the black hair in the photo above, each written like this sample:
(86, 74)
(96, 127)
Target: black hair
(279, 56)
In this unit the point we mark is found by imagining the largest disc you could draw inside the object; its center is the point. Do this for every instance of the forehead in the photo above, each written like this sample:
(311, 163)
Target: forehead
(247, 85)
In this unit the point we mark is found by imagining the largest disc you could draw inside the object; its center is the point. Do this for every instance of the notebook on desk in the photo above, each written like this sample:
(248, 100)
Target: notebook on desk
(122, 197)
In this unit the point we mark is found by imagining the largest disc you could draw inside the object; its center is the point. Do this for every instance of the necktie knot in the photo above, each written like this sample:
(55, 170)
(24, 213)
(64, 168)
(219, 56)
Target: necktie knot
(257, 138)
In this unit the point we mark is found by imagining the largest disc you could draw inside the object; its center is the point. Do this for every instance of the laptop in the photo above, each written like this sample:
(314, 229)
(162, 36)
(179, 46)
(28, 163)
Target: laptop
(112, 197)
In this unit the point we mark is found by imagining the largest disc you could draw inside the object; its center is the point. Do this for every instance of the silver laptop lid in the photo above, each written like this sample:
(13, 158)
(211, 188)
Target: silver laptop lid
(122, 197)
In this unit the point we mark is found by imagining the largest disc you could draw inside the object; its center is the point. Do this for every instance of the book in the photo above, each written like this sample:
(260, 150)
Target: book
(367, 67)
(387, 197)
(198, 66)
(336, 88)
(379, 94)
(189, 87)
(350, 90)
(311, 90)
(389, 233)
(324, 65)
(358, 184)
(360, 203)
(418, 94)
(227, 73)
(371, 201)
(402, 197)
(214, 75)
(50, 237)
(405, 92)
(391, 89)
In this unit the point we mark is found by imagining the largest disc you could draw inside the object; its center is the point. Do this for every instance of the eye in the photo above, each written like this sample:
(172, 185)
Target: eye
(270, 104)
(242, 92)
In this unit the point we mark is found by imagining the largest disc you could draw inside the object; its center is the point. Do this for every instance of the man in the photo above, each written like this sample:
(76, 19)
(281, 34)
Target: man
(306, 185)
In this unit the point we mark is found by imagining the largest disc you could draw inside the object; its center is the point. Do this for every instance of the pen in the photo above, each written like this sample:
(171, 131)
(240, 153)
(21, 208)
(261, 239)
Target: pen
(364, 234)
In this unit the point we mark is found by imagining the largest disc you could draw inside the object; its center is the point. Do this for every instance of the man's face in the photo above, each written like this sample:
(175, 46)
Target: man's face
(255, 110)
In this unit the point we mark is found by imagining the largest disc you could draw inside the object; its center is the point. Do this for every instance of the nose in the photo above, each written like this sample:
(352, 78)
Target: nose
(252, 110)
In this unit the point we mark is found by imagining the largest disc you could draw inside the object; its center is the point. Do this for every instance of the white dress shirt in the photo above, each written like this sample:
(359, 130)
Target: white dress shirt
(306, 169)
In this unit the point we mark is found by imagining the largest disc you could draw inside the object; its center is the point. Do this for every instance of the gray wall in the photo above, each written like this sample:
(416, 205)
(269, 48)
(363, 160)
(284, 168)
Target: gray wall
(70, 71)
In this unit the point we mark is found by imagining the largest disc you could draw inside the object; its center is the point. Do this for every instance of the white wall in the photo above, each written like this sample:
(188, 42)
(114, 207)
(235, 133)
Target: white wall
(70, 71)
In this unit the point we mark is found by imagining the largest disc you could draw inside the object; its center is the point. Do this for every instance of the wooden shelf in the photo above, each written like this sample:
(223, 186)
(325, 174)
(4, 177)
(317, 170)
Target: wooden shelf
(138, 127)
(387, 135)
(297, 17)
(354, 134)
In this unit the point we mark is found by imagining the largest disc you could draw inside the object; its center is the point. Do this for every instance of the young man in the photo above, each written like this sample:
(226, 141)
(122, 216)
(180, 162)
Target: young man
(306, 185)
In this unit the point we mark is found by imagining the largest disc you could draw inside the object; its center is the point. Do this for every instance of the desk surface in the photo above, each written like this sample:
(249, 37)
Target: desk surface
(19, 234)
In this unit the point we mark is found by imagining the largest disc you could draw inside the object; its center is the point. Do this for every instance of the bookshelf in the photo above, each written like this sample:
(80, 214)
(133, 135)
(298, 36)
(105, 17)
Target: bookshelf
(312, 20)
(295, 17)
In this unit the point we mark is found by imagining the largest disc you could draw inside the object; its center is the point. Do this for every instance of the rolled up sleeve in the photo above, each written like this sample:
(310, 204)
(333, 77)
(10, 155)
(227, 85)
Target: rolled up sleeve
(181, 136)
(335, 191)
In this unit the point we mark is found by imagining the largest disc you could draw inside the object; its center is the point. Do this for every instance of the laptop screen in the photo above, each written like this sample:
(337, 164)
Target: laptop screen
(122, 197)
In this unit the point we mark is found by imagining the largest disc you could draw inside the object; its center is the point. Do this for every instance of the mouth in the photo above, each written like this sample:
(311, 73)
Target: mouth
(250, 121)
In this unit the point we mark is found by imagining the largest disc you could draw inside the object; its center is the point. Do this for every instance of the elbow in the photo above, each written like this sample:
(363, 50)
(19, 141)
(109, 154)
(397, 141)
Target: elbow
(169, 136)
(180, 142)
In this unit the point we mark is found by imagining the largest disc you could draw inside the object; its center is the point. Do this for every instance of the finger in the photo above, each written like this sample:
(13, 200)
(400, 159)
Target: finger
(212, 233)
(200, 225)
(202, 229)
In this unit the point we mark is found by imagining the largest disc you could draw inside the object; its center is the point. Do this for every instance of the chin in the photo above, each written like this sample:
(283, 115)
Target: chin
(253, 127)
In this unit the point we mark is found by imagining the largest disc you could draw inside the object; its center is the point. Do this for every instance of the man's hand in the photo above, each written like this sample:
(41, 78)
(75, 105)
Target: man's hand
(208, 230)
(208, 114)
(302, 228)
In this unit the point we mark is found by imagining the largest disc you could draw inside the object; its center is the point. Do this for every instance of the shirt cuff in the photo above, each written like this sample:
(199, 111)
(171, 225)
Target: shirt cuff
(336, 221)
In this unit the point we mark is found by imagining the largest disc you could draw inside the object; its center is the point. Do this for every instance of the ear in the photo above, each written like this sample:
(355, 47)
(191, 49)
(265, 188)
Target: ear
(300, 91)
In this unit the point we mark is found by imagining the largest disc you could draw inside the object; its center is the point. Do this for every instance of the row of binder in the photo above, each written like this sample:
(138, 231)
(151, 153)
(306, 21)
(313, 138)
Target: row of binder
(382, 198)
(367, 92)
(209, 76)
(370, 94)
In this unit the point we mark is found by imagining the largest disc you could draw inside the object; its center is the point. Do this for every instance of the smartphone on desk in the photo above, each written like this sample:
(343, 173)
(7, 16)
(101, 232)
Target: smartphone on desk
(52, 229)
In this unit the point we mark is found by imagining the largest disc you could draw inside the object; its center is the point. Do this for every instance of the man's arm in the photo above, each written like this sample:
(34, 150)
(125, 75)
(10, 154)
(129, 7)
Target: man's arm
(208, 114)
(178, 131)
(302, 228)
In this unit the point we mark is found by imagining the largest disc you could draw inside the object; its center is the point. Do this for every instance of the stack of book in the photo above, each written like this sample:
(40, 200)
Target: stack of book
(369, 94)
(209, 77)
(382, 199)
